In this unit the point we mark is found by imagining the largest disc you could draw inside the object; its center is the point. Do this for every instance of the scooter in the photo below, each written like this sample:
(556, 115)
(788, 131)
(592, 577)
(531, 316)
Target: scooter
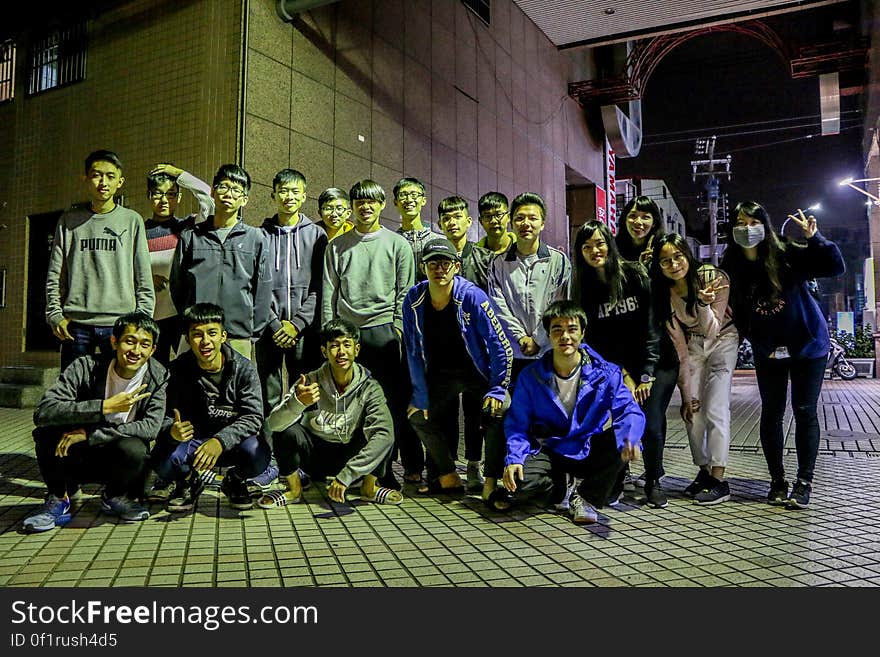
(838, 364)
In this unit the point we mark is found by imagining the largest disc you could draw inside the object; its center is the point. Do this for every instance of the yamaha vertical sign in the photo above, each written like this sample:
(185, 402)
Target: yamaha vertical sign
(611, 187)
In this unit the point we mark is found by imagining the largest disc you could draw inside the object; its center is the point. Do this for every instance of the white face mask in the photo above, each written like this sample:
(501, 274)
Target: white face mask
(748, 236)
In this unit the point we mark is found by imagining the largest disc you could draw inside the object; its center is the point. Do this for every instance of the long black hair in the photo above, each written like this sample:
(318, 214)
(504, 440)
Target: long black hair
(661, 285)
(592, 291)
(624, 240)
(770, 254)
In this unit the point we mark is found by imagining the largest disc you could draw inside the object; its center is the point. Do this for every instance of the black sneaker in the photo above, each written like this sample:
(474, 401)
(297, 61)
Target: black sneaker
(715, 493)
(800, 495)
(698, 484)
(236, 492)
(181, 499)
(654, 495)
(778, 495)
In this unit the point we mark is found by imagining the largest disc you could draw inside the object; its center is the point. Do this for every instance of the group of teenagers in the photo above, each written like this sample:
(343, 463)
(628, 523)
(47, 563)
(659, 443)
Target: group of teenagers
(327, 350)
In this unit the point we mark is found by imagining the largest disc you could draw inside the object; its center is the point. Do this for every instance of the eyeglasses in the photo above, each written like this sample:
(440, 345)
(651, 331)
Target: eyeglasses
(666, 263)
(443, 265)
(493, 216)
(334, 210)
(234, 192)
(170, 195)
(403, 196)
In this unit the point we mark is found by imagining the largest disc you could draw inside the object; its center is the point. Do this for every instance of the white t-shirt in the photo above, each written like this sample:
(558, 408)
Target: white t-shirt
(568, 389)
(116, 384)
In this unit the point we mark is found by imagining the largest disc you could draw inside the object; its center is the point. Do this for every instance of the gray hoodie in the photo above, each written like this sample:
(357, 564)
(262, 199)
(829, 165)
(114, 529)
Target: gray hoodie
(337, 416)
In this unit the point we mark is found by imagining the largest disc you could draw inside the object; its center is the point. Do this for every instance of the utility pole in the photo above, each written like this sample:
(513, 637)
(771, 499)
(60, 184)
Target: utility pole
(711, 168)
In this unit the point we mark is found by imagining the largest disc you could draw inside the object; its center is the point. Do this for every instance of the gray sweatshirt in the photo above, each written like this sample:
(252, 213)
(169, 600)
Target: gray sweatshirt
(99, 267)
(336, 416)
(366, 277)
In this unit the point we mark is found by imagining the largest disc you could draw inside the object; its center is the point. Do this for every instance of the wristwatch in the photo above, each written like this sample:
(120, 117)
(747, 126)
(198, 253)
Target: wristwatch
(647, 378)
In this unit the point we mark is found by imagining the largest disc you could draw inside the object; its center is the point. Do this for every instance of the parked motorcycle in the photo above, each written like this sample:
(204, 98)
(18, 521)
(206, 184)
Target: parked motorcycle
(838, 364)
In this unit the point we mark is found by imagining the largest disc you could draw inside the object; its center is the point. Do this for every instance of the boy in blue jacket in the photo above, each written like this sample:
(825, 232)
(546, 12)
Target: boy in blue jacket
(455, 343)
(571, 414)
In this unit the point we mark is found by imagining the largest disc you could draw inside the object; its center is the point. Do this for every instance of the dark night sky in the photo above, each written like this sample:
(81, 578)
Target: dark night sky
(725, 79)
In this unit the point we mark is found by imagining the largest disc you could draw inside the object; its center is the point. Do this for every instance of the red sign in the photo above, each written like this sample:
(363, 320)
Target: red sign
(611, 185)
(600, 205)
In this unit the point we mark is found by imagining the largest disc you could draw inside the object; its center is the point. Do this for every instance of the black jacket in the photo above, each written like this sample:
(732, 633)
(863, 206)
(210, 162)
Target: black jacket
(75, 401)
(230, 412)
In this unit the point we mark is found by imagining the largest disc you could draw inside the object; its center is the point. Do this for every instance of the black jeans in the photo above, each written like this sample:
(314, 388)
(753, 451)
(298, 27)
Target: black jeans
(296, 447)
(85, 340)
(654, 438)
(120, 465)
(169, 338)
(806, 383)
(271, 361)
(544, 473)
(382, 354)
(434, 432)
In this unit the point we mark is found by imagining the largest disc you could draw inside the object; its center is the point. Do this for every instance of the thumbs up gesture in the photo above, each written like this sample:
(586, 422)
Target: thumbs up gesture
(181, 431)
(307, 393)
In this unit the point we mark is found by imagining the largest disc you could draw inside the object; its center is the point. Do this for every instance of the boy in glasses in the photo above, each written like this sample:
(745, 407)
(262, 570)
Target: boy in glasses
(164, 183)
(409, 199)
(99, 265)
(495, 218)
(335, 211)
(224, 261)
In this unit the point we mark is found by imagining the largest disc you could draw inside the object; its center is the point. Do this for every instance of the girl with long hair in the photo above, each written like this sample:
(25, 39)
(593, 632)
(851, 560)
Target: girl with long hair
(692, 303)
(773, 308)
(642, 224)
(616, 295)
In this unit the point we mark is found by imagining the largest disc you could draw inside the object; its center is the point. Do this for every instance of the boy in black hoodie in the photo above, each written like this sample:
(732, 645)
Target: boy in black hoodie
(96, 422)
(213, 416)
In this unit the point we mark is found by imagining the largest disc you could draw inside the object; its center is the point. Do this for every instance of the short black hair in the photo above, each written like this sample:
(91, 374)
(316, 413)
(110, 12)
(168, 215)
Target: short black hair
(288, 176)
(139, 320)
(233, 173)
(332, 194)
(204, 313)
(452, 204)
(156, 179)
(339, 328)
(103, 156)
(528, 198)
(564, 308)
(407, 182)
(367, 190)
(492, 201)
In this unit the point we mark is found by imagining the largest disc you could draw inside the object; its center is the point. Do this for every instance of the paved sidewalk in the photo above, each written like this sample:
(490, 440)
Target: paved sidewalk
(447, 542)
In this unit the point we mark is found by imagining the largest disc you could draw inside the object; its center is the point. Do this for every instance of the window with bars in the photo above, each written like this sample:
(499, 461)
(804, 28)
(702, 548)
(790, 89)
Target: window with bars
(482, 8)
(7, 70)
(57, 58)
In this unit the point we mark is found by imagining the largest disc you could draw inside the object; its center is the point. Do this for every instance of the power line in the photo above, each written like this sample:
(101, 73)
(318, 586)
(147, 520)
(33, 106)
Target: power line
(744, 133)
(744, 125)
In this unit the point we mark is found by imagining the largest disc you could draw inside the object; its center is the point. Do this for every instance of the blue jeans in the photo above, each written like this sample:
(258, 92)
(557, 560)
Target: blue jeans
(85, 340)
(806, 383)
(173, 460)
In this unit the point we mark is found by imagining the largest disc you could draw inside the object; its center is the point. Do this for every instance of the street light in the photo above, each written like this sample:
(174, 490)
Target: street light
(849, 182)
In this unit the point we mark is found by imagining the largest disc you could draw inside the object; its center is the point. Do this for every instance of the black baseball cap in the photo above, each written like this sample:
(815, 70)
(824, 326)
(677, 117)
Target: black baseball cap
(440, 249)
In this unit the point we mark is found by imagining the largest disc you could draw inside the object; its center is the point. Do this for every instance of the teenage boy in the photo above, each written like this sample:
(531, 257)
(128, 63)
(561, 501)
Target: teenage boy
(367, 273)
(164, 183)
(224, 261)
(526, 279)
(455, 344)
(454, 220)
(95, 424)
(334, 208)
(99, 265)
(571, 414)
(295, 248)
(409, 199)
(494, 218)
(346, 433)
(213, 416)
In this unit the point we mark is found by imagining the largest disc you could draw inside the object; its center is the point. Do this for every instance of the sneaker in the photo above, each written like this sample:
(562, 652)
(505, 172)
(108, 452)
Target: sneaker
(474, 481)
(570, 487)
(125, 508)
(654, 495)
(615, 498)
(236, 491)
(778, 495)
(629, 482)
(186, 493)
(55, 512)
(800, 495)
(699, 483)
(259, 484)
(160, 491)
(717, 492)
(581, 511)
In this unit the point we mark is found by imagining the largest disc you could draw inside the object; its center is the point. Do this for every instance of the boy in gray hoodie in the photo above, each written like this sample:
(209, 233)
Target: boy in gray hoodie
(333, 422)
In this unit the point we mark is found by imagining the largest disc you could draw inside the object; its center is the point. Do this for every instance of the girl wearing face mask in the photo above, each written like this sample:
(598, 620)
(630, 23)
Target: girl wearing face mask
(691, 301)
(642, 224)
(616, 295)
(773, 308)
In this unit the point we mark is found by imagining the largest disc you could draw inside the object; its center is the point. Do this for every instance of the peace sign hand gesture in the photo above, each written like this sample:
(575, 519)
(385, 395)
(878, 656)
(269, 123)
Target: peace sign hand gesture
(707, 294)
(808, 224)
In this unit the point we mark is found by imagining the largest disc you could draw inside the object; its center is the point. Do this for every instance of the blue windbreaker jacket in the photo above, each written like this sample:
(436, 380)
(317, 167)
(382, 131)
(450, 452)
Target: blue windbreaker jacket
(538, 419)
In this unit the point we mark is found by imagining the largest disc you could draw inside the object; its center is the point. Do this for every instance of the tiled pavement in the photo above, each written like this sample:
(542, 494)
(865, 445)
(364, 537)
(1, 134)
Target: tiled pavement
(446, 542)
